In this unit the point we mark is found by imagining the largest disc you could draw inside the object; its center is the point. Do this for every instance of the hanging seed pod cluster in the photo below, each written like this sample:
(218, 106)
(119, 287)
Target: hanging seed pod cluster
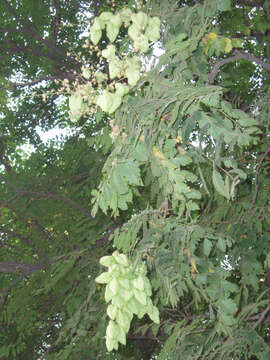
(128, 292)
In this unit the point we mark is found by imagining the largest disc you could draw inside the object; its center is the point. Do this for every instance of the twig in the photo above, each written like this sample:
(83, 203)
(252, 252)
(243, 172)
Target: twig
(256, 177)
(47, 352)
(261, 318)
(27, 269)
(5, 290)
(57, 20)
(238, 55)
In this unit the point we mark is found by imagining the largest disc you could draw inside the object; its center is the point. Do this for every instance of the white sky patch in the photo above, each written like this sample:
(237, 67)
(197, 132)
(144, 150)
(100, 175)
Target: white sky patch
(54, 134)
(152, 62)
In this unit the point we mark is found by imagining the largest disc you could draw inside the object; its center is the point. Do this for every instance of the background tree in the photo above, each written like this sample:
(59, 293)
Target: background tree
(173, 172)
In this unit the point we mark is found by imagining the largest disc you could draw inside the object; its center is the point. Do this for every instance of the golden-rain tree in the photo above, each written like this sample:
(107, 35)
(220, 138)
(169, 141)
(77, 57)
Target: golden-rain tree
(143, 232)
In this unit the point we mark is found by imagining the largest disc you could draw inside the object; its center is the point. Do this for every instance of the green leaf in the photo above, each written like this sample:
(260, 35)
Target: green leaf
(224, 5)
(140, 152)
(98, 24)
(154, 314)
(105, 101)
(120, 258)
(130, 171)
(132, 71)
(121, 336)
(247, 121)
(75, 103)
(117, 101)
(112, 31)
(219, 183)
(107, 261)
(183, 160)
(134, 32)
(125, 283)
(110, 343)
(207, 246)
(112, 330)
(227, 306)
(116, 20)
(109, 52)
(115, 67)
(189, 126)
(118, 182)
(237, 43)
(112, 311)
(104, 278)
(125, 14)
(192, 206)
(123, 319)
(140, 20)
(152, 31)
(121, 89)
(95, 36)
(141, 44)
(86, 73)
(138, 283)
(227, 188)
(221, 244)
(108, 294)
(113, 286)
(100, 77)
(140, 296)
(109, 102)
(125, 294)
(105, 17)
(133, 306)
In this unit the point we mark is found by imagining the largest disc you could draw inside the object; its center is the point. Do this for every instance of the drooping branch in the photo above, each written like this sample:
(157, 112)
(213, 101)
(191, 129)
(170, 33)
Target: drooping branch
(57, 197)
(238, 55)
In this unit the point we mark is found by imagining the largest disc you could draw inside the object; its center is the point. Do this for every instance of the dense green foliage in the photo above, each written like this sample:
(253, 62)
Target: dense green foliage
(162, 175)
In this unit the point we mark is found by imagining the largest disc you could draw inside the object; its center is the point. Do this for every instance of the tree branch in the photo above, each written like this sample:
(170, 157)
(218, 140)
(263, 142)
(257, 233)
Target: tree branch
(250, 3)
(57, 20)
(27, 242)
(29, 83)
(11, 50)
(34, 34)
(96, 7)
(12, 266)
(238, 55)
